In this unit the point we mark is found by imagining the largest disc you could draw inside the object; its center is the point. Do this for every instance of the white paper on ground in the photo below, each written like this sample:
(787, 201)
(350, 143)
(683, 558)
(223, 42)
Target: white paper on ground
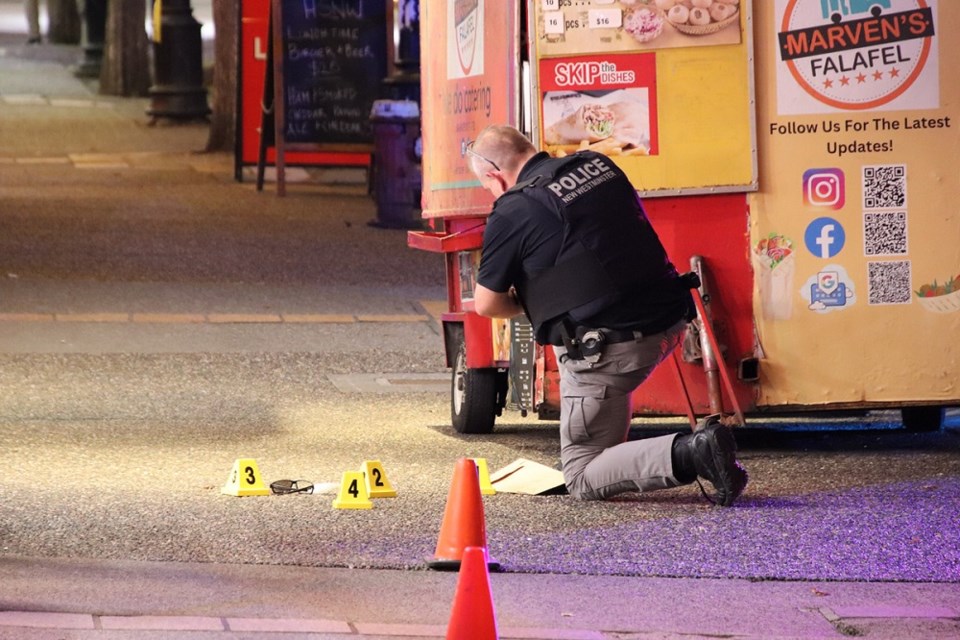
(527, 477)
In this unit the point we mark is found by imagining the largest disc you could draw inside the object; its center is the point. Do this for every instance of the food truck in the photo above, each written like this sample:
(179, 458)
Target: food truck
(802, 156)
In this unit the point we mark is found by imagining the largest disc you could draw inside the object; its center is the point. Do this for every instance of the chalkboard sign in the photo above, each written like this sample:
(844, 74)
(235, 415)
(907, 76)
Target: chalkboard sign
(326, 64)
(333, 54)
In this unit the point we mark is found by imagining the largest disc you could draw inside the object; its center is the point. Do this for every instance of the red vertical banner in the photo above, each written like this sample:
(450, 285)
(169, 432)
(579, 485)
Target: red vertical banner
(254, 16)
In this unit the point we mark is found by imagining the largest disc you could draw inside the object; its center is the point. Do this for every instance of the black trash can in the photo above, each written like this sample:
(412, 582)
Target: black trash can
(396, 173)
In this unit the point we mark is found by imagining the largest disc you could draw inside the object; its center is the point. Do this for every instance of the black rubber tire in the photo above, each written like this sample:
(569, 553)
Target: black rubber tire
(473, 396)
(922, 419)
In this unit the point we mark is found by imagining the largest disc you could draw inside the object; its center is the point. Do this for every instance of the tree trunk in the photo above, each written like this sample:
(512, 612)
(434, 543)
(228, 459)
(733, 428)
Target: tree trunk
(223, 119)
(126, 61)
(64, 21)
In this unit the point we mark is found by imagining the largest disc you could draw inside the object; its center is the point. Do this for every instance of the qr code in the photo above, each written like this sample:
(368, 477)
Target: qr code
(885, 186)
(888, 282)
(885, 233)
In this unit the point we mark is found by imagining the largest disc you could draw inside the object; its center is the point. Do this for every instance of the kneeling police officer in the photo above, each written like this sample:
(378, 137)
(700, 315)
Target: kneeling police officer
(569, 244)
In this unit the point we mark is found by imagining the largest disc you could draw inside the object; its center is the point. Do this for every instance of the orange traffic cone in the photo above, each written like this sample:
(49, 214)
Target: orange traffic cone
(472, 616)
(463, 523)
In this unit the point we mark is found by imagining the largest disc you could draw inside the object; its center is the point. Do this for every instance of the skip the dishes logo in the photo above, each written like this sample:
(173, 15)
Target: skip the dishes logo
(856, 54)
(592, 73)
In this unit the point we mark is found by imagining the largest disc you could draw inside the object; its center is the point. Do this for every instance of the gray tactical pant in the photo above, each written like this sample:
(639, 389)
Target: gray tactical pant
(595, 414)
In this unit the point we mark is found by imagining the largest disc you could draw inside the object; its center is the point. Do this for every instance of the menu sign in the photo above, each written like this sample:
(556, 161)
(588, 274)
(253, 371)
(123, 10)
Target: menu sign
(333, 63)
(662, 87)
(579, 26)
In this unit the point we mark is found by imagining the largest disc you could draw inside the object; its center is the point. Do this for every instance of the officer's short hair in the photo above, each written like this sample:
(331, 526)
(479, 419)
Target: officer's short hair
(505, 145)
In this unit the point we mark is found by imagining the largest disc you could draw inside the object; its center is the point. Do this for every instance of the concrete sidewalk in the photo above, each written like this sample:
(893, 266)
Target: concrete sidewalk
(49, 598)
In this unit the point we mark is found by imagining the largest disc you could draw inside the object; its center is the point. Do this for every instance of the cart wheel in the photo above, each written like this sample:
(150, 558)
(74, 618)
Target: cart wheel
(473, 396)
(920, 419)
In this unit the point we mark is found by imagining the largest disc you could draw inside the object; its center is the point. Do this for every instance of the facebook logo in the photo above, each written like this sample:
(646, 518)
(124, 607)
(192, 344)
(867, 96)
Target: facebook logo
(824, 237)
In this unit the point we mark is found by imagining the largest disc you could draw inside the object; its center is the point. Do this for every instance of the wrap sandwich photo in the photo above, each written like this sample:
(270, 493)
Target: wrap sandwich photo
(590, 122)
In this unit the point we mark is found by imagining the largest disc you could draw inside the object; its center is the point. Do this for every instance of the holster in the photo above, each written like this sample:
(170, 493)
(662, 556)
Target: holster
(581, 343)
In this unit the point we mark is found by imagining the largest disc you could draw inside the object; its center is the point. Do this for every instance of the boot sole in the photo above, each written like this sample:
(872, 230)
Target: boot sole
(732, 477)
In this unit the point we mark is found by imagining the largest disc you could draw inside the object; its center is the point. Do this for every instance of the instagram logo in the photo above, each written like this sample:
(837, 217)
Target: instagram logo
(823, 188)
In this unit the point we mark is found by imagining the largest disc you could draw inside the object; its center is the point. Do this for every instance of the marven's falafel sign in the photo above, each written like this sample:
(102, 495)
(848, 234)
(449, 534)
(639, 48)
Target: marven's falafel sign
(856, 55)
(854, 229)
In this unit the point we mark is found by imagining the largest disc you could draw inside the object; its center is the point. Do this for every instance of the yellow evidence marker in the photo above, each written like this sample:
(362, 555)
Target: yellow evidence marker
(353, 492)
(486, 487)
(377, 484)
(245, 480)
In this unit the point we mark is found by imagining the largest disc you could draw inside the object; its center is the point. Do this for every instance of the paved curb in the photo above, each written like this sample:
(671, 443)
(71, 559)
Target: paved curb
(111, 623)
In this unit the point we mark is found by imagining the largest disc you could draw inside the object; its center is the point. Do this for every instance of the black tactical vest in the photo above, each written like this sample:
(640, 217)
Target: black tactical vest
(609, 249)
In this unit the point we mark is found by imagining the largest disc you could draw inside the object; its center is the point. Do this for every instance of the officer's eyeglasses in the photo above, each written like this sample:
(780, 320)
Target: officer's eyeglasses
(469, 149)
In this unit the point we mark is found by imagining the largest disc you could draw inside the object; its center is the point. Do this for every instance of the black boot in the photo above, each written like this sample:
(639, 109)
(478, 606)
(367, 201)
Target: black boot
(711, 453)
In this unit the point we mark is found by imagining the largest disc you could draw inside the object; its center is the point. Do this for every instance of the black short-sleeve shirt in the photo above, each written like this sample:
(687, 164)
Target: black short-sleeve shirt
(523, 237)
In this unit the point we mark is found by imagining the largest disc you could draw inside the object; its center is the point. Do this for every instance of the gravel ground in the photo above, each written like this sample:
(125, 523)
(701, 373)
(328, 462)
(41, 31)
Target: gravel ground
(123, 457)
